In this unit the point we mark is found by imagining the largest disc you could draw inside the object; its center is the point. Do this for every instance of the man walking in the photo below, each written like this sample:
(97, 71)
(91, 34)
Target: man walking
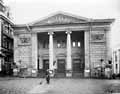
(47, 76)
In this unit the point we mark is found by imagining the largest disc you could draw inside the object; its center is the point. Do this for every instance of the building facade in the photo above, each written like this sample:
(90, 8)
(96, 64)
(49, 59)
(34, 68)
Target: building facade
(116, 60)
(6, 41)
(70, 45)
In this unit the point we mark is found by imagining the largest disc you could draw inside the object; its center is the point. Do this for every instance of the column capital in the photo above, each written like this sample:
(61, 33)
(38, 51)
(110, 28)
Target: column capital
(50, 33)
(68, 31)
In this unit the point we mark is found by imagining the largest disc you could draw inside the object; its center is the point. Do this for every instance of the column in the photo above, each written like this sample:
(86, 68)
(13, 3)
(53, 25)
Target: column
(34, 50)
(50, 50)
(118, 55)
(0, 43)
(69, 59)
(114, 62)
(87, 57)
(0, 32)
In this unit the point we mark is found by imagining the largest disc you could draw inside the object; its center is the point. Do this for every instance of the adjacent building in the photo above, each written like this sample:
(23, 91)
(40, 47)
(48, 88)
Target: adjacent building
(116, 60)
(70, 45)
(6, 41)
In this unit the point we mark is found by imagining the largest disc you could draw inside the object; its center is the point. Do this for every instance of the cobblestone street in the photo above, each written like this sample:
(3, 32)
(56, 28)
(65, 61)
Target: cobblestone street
(57, 86)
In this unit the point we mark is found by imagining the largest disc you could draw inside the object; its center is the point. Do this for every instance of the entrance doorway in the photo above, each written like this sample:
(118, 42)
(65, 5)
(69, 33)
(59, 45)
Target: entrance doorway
(78, 68)
(45, 65)
(61, 68)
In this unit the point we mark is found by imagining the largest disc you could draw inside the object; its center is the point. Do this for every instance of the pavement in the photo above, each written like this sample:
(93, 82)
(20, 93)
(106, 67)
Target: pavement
(76, 86)
(58, 86)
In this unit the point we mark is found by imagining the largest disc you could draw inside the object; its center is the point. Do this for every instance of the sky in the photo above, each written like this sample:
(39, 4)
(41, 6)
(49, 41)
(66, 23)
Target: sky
(27, 11)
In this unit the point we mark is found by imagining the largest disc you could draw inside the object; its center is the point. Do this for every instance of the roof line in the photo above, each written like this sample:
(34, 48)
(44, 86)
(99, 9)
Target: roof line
(58, 12)
(5, 17)
(90, 21)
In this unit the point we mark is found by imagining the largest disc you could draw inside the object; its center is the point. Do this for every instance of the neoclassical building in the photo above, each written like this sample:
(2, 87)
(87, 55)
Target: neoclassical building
(70, 45)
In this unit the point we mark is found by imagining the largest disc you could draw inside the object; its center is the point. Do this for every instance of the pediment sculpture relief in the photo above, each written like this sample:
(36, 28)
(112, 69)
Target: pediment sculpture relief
(59, 19)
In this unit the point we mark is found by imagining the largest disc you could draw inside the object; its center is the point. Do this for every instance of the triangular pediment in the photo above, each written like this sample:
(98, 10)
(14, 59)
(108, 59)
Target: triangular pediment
(60, 18)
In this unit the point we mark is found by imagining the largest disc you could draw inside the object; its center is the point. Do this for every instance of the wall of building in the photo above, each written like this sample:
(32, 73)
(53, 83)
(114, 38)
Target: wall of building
(99, 47)
(94, 46)
(22, 49)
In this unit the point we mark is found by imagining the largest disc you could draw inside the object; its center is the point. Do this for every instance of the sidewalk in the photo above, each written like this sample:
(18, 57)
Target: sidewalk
(57, 86)
(69, 86)
(74, 86)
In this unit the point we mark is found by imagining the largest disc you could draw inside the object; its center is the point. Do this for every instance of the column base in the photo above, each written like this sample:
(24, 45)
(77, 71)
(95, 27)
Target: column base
(34, 73)
(52, 73)
(86, 73)
(68, 73)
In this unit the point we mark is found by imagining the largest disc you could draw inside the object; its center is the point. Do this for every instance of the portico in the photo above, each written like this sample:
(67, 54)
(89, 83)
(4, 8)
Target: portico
(59, 49)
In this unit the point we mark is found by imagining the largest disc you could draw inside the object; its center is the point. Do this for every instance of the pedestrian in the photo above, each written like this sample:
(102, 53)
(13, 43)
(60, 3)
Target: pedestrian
(47, 76)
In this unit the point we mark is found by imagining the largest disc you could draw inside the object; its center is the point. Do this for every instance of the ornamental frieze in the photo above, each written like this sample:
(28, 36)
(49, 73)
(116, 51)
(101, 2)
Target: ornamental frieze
(97, 37)
(24, 40)
(59, 19)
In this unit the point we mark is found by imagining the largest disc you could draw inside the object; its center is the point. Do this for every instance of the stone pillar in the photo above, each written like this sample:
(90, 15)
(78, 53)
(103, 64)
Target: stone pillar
(87, 59)
(50, 50)
(0, 43)
(69, 59)
(118, 55)
(0, 32)
(34, 50)
(114, 62)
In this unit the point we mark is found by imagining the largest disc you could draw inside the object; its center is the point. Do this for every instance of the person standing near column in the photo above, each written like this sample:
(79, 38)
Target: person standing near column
(47, 76)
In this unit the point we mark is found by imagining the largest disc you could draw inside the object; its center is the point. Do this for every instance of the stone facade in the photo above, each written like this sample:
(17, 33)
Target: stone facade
(54, 39)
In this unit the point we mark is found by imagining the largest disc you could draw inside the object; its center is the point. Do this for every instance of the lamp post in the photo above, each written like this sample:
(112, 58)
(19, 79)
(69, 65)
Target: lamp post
(20, 63)
(101, 60)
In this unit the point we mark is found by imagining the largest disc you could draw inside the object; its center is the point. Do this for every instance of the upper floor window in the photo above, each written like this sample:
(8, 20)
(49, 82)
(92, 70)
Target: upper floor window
(76, 44)
(7, 29)
(61, 44)
(7, 43)
(73, 44)
(45, 44)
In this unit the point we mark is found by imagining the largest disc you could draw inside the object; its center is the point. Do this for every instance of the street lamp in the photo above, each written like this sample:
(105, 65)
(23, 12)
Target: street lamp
(101, 60)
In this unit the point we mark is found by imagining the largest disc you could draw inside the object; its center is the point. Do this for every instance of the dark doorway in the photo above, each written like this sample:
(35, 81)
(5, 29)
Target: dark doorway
(61, 67)
(45, 64)
(42, 72)
(78, 68)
